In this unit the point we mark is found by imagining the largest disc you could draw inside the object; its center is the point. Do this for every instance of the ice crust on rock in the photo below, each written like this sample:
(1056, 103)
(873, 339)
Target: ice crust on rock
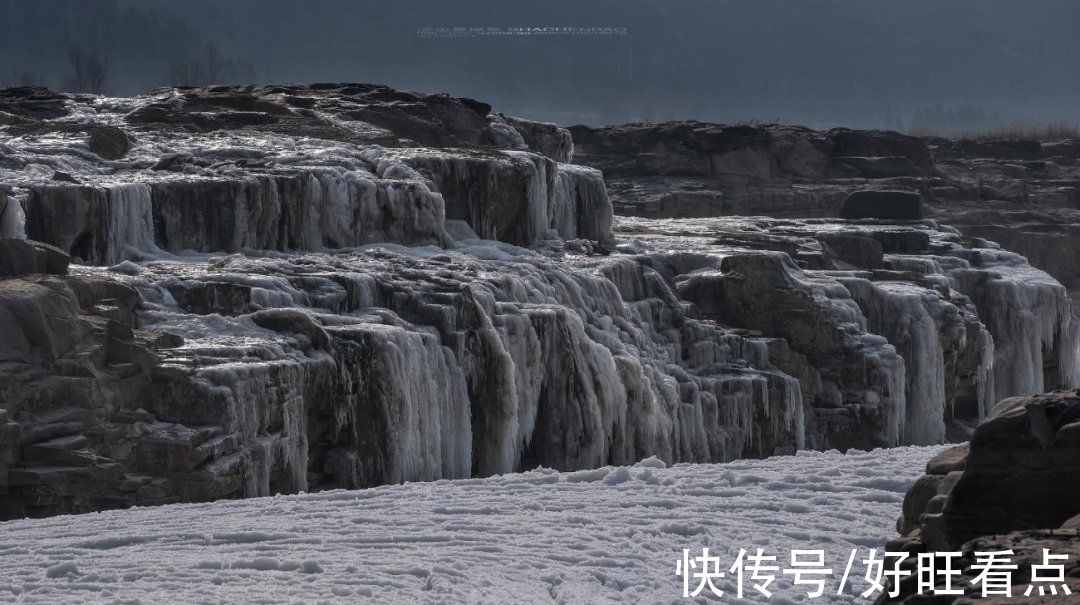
(271, 300)
(928, 339)
(1031, 318)
(238, 189)
(558, 368)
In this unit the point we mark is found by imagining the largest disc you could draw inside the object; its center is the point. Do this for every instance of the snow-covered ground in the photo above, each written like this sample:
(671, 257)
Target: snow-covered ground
(608, 535)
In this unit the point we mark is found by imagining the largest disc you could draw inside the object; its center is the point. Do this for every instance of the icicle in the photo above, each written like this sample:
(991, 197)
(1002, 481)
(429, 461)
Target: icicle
(1029, 315)
(581, 207)
(130, 228)
(12, 219)
(904, 314)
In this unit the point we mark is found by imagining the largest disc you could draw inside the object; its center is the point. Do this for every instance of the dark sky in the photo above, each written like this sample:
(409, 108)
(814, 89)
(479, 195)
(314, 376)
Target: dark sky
(818, 62)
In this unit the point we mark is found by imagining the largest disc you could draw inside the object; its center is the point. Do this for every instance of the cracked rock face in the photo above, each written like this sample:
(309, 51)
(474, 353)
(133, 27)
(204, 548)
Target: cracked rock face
(284, 288)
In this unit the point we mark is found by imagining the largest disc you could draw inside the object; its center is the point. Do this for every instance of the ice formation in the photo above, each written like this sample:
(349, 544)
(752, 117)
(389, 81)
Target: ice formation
(931, 337)
(604, 535)
(408, 345)
(1030, 316)
(915, 320)
(299, 288)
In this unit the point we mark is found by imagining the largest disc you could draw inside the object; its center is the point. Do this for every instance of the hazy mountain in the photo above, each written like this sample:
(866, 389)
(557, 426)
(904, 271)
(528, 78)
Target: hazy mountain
(820, 62)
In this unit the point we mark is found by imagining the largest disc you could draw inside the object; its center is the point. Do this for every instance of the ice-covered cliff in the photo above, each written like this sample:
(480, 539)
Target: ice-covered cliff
(287, 288)
(1022, 194)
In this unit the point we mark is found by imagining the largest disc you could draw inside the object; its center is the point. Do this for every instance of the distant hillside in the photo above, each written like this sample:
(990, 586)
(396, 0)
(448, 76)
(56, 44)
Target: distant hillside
(862, 63)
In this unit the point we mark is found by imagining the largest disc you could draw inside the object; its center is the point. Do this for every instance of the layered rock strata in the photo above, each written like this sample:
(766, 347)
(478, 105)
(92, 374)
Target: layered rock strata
(903, 327)
(286, 288)
(1022, 194)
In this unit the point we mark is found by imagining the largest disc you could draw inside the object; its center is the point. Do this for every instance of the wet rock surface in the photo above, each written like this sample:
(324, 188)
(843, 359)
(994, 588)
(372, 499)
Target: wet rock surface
(286, 288)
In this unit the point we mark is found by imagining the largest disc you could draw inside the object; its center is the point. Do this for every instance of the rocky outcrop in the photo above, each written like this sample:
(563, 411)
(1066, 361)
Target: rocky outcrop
(305, 366)
(25, 257)
(550, 140)
(284, 288)
(1021, 194)
(31, 102)
(73, 371)
(308, 371)
(896, 354)
(1013, 486)
(698, 169)
(1028, 550)
(1016, 473)
(353, 113)
(884, 205)
(315, 182)
(249, 377)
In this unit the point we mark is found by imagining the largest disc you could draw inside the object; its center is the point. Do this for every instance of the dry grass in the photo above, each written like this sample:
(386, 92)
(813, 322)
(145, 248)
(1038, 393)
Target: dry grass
(1050, 131)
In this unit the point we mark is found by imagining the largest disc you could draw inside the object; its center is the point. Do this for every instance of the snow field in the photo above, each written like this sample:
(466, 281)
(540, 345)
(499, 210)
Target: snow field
(598, 536)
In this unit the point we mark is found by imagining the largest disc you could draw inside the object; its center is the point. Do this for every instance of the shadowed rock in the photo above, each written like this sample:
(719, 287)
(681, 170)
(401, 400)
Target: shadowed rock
(25, 257)
(1018, 473)
(883, 205)
(1013, 487)
(109, 142)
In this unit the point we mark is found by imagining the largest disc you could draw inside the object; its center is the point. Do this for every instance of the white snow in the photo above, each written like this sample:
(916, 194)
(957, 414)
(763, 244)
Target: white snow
(598, 536)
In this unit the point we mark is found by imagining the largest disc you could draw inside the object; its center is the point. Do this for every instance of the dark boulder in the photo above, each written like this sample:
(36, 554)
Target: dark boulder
(108, 142)
(863, 252)
(212, 297)
(1028, 549)
(1022, 471)
(1018, 473)
(883, 205)
(1013, 487)
(26, 257)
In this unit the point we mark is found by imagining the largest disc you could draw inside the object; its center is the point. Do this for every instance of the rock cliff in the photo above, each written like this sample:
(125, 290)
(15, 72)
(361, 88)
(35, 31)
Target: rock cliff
(1022, 194)
(284, 288)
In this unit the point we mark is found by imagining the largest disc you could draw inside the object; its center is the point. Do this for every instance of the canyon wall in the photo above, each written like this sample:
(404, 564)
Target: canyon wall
(1022, 194)
(284, 288)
